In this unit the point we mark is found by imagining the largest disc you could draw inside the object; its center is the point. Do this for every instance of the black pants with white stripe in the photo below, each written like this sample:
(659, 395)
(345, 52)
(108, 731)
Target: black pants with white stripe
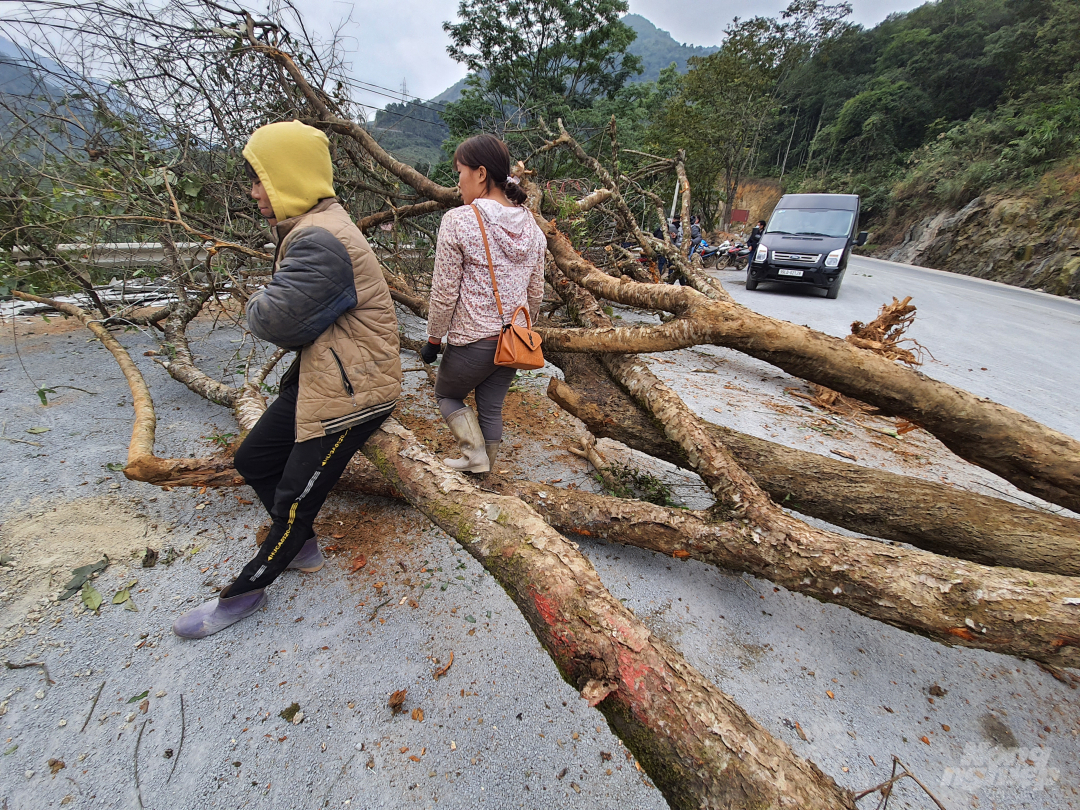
(292, 479)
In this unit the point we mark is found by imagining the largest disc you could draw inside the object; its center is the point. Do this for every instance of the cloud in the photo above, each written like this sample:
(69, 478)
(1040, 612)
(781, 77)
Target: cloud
(389, 43)
(386, 44)
(703, 23)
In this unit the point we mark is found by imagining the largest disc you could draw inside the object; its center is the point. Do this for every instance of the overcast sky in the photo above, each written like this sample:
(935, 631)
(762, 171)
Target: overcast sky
(403, 41)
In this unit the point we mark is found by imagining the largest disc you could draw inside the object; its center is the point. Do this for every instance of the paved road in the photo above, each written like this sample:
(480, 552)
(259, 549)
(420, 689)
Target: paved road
(1016, 346)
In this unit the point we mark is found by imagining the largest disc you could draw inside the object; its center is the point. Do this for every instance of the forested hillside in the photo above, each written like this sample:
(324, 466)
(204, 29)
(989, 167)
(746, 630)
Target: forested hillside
(415, 131)
(936, 105)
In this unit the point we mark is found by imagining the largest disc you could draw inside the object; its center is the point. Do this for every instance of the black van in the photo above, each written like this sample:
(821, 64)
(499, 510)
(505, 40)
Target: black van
(807, 241)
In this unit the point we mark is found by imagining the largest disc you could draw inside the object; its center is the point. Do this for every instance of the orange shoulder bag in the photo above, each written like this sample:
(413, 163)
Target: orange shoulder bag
(518, 346)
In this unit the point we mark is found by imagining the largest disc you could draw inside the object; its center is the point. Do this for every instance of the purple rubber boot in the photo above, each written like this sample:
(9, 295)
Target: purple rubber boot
(309, 558)
(210, 617)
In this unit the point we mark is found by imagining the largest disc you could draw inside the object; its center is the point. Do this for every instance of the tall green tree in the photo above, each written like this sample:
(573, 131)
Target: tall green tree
(537, 57)
(727, 101)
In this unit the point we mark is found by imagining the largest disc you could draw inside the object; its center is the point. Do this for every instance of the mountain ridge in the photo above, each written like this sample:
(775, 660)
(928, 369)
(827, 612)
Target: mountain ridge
(414, 141)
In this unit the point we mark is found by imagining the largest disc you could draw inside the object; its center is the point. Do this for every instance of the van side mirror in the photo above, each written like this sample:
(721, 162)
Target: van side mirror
(863, 236)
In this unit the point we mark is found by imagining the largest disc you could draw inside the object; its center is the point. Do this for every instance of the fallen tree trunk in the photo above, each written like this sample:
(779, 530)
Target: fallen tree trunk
(1035, 458)
(951, 600)
(924, 514)
(699, 747)
(1010, 611)
(947, 599)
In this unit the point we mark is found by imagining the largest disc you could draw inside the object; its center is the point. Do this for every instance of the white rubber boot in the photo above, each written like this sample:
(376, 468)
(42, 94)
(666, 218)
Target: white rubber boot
(466, 429)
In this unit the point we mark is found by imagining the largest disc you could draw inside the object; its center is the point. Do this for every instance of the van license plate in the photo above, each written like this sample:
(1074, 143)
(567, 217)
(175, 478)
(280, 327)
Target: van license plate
(783, 271)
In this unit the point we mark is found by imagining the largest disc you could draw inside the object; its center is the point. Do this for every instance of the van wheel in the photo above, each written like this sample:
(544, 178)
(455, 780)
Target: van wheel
(834, 290)
(751, 282)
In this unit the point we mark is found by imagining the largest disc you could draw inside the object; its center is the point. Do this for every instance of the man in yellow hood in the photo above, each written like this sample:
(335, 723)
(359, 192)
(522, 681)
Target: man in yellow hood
(327, 301)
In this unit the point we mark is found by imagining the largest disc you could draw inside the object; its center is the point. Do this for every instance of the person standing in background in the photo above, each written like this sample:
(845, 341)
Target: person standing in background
(462, 306)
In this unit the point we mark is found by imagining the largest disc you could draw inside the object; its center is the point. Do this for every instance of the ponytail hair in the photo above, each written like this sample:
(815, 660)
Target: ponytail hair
(491, 153)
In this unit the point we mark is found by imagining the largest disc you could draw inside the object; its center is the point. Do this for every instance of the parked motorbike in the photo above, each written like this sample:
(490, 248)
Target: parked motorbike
(709, 253)
(737, 255)
(728, 255)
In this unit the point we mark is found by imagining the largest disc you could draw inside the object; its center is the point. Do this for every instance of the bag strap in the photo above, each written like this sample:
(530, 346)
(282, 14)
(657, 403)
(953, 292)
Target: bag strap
(491, 265)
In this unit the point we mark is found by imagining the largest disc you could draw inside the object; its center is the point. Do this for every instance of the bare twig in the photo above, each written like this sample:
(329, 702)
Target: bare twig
(341, 773)
(28, 664)
(21, 441)
(92, 707)
(894, 778)
(180, 747)
(371, 618)
(138, 790)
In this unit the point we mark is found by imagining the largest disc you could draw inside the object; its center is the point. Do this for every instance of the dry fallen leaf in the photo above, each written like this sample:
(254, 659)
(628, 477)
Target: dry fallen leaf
(414, 758)
(845, 454)
(680, 553)
(800, 732)
(443, 670)
(925, 740)
(396, 701)
(56, 765)
(360, 562)
(830, 694)
(418, 715)
(403, 750)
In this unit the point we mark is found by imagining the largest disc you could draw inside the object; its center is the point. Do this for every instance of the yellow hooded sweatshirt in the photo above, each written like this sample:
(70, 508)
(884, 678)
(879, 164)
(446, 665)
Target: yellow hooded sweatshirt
(293, 163)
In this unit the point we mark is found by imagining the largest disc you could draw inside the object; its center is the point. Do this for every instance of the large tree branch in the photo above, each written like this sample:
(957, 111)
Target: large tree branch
(142, 464)
(404, 212)
(925, 514)
(448, 197)
(1032, 456)
(699, 747)
(1003, 610)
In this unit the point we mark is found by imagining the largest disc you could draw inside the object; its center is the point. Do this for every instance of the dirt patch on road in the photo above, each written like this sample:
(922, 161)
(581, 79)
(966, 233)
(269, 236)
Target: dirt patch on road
(46, 541)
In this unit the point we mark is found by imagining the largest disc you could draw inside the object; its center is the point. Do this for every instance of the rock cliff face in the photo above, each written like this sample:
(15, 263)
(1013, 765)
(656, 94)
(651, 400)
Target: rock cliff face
(1028, 241)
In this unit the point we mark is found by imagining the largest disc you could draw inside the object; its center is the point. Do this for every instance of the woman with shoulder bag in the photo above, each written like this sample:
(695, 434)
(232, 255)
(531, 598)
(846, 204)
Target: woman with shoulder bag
(491, 237)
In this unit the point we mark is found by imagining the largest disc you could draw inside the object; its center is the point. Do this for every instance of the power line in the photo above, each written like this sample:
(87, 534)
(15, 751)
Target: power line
(357, 84)
(398, 94)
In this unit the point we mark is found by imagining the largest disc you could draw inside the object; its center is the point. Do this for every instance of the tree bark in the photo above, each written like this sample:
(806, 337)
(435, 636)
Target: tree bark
(924, 514)
(1035, 458)
(951, 600)
(698, 746)
(1010, 611)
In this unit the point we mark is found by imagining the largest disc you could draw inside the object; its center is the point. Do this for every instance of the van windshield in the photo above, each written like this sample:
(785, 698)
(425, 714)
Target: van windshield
(811, 222)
